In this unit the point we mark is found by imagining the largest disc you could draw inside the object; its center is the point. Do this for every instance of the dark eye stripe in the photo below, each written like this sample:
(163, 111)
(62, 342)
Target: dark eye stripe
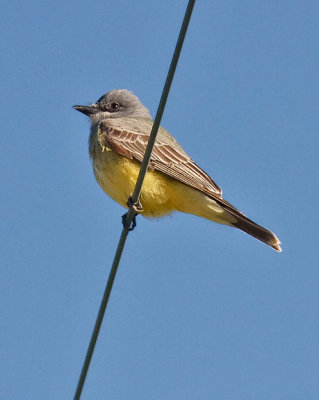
(113, 107)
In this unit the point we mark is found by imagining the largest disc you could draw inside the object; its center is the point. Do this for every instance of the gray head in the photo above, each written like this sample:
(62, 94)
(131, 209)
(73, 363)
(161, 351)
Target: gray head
(115, 104)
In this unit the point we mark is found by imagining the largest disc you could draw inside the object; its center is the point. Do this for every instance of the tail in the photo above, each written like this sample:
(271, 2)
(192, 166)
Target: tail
(258, 232)
(217, 209)
(245, 224)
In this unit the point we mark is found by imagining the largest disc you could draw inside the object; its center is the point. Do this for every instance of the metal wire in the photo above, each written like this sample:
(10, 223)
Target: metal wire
(135, 197)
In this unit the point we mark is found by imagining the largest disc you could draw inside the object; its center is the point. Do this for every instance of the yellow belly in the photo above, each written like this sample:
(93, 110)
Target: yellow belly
(117, 176)
(160, 194)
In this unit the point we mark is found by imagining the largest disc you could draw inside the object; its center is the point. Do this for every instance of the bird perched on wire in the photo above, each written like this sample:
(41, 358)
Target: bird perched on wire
(120, 129)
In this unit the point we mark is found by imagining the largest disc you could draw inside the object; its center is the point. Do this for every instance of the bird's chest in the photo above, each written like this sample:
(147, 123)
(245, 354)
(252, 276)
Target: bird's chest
(115, 174)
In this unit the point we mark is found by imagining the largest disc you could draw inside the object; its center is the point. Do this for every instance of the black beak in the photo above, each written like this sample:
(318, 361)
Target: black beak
(87, 110)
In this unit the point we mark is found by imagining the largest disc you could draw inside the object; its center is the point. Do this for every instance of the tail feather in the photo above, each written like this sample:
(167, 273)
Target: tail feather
(258, 232)
(245, 224)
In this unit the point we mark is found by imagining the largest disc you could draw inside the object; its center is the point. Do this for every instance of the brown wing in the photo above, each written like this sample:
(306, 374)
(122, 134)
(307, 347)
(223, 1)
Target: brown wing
(129, 137)
(130, 140)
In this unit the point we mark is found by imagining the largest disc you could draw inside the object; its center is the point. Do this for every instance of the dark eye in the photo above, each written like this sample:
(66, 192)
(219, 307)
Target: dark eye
(115, 106)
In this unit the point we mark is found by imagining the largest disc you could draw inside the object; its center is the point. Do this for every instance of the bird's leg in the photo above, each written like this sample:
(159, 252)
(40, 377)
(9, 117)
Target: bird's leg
(124, 219)
(137, 208)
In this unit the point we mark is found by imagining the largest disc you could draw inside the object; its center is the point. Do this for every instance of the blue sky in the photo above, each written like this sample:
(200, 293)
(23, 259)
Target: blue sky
(198, 310)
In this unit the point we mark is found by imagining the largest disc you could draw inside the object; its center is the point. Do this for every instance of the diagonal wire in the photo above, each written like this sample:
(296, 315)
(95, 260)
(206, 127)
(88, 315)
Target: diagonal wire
(135, 197)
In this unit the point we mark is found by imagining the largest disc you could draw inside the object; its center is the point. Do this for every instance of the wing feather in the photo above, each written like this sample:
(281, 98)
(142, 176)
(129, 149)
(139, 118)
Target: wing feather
(129, 137)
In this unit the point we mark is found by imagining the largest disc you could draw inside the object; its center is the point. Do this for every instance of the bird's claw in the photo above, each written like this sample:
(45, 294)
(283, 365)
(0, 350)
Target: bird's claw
(124, 219)
(136, 206)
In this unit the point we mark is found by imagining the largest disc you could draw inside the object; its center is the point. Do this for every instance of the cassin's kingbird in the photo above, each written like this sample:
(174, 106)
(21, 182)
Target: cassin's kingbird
(120, 129)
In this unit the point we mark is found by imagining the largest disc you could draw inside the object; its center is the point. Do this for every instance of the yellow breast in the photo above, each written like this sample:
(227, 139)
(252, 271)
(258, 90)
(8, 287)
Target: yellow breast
(160, 195)
(117, 176)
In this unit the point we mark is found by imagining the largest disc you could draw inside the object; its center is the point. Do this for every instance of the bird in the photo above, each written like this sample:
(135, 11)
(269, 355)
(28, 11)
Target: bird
(120, 129)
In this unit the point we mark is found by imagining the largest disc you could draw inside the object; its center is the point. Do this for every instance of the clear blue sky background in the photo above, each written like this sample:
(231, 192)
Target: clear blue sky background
(198, 310)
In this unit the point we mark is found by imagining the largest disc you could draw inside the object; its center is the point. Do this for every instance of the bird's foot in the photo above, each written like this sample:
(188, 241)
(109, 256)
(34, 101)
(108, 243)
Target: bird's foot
(124, 219)
(136, 206)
